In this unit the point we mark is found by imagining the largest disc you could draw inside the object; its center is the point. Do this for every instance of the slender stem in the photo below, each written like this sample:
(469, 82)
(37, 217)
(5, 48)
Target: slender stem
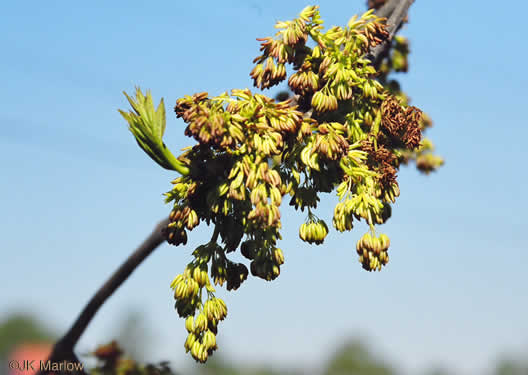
(398, 15)
(396, 10)
(387, 8)
(120, 275)
(214, 237)
(63, 349)
(176, 164)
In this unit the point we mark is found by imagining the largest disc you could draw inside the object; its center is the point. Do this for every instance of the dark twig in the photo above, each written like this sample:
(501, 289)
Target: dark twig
(63, 349)
(387, 8)
(396, 17)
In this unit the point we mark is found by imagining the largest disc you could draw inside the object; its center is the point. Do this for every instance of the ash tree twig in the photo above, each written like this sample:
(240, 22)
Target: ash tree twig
(387, 8)
(63, 349)
(396, 11)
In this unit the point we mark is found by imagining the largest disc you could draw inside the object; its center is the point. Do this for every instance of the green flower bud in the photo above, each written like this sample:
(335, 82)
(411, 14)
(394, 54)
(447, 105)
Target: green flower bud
(189, 342)
(221, 309)
(200, 323)
(278, 256)
(209, 340)
(189, 324)
(197, 351)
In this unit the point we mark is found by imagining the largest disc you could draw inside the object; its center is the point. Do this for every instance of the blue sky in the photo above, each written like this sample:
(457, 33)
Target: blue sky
(78, 194)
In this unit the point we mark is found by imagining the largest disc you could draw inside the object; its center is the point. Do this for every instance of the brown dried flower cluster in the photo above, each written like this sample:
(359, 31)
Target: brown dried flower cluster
(381, 160)
(402, 125)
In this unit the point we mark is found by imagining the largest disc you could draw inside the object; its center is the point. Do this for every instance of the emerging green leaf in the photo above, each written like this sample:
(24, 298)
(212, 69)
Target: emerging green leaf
(148, 125)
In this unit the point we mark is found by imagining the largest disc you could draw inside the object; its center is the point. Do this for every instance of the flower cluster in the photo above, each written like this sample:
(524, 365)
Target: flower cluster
(346, 130)
(201, 317)
(314, 231)
(202, 329)
(402, 126)
(265, 261)
(372, 251)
